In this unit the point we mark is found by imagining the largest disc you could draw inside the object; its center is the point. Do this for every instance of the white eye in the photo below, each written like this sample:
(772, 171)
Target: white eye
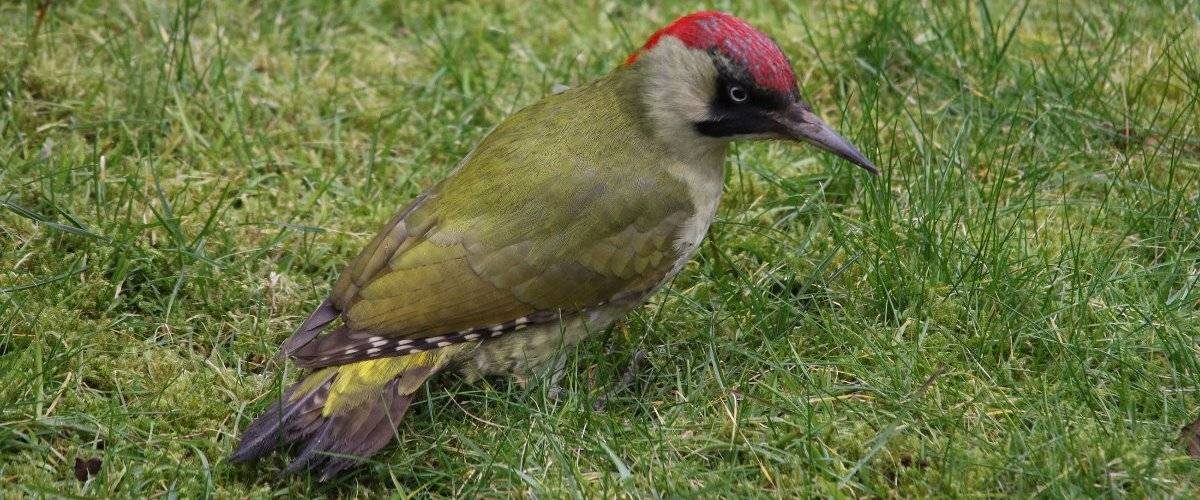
(738, 94)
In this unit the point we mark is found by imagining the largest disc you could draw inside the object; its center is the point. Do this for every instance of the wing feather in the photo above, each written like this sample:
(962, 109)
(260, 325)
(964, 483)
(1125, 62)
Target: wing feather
(445, 291)
(483, 253)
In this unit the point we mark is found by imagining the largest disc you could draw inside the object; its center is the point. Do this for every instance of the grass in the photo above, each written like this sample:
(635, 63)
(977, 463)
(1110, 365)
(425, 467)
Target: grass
(1011, 309)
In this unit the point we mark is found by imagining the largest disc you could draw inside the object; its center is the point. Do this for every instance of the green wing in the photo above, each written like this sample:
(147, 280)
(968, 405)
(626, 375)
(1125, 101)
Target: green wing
(495, 246)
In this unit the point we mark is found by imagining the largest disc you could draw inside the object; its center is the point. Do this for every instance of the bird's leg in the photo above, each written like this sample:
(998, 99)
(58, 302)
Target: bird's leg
(556, 377)
(627, 376)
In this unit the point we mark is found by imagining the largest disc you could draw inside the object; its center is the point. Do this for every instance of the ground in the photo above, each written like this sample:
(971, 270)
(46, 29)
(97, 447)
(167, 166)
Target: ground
(1012, 308)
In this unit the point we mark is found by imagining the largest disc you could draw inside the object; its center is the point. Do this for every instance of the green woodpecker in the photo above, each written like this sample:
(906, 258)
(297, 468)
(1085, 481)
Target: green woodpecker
(569, 214)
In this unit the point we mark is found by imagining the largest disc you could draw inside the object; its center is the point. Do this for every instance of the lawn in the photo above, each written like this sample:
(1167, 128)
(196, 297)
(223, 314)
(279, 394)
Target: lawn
(1012, 308)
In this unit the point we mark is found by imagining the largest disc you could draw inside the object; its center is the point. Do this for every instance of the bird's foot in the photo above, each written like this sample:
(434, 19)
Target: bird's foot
(522, 381)
(627, 377)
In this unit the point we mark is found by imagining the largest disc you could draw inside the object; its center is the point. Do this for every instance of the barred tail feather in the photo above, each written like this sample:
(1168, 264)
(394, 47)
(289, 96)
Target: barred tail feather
(288, 420)
(332, 433)
(346, 439)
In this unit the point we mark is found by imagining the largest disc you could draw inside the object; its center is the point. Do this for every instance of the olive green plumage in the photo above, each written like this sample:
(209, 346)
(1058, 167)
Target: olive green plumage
(495, 241)
(493, 245)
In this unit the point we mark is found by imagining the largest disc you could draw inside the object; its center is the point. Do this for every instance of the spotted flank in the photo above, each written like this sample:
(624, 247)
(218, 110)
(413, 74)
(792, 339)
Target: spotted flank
(341, 347)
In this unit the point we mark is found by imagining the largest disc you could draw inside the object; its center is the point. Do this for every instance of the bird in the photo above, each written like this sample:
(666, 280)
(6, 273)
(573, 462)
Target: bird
(569, 214)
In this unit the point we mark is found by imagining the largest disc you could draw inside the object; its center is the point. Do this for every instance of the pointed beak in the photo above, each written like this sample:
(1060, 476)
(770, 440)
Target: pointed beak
(801, 124)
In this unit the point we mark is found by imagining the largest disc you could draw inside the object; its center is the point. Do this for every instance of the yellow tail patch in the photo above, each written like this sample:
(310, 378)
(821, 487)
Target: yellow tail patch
(356, 382)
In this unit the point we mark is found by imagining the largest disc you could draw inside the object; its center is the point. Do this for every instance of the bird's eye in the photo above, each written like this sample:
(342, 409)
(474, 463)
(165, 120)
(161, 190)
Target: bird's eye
(738, 94)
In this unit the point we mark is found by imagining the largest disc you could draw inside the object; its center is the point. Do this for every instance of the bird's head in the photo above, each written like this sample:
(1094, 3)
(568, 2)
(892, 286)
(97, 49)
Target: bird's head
(710, 78)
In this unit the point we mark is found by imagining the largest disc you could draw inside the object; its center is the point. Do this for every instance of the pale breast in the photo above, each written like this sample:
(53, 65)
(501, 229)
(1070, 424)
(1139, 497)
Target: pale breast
(704, 180)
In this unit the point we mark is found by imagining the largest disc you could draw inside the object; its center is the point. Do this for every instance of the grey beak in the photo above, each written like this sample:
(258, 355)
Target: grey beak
(801, 124)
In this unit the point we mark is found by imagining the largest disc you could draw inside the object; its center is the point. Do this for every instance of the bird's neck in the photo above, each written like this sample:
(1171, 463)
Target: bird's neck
(663, 121)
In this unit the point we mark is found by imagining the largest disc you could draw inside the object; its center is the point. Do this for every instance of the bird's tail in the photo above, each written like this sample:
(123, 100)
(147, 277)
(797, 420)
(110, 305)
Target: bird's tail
(340, 415)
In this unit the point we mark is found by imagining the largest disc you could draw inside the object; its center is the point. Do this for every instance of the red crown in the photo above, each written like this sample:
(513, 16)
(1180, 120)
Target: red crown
(735, 39)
